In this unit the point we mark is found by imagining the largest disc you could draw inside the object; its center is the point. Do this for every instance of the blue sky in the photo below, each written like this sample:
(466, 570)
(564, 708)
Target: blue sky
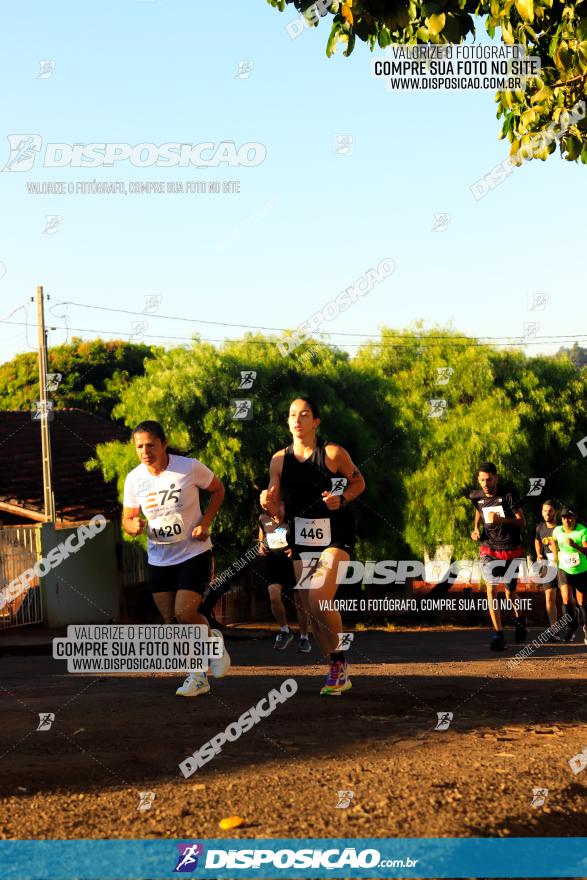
(307, 221)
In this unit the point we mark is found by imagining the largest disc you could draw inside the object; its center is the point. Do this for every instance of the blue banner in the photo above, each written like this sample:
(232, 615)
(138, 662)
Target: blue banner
(289, 859)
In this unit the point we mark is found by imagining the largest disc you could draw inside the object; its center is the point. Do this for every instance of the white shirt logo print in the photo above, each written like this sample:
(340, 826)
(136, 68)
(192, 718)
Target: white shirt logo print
(172, 507)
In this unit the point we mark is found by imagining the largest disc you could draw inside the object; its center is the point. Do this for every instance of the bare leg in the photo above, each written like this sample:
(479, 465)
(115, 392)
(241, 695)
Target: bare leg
(550, 598)
(277, 607)
(494, 613)
(326, 622)
(515, 602)
(165, 603)
(302, 615)
(187, 606)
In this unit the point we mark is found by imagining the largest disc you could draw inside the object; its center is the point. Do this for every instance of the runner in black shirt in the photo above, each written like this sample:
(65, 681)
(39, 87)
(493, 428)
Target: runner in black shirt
(277, 570)
(498, 523)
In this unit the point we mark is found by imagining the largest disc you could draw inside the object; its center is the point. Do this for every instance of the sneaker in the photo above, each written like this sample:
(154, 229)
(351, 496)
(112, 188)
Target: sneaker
(572, 627)
(195, 684)
(585, 633)
(552, 637)
(304, 646)
(219, 666)
(497, 643)
(337, 680)
(521, 632)
(283, 640)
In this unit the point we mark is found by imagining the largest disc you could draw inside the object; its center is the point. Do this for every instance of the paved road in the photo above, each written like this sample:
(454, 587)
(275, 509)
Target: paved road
(512, 731)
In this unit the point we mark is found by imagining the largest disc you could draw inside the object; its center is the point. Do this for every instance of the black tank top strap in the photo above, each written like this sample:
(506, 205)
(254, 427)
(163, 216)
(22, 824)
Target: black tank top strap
(319, 455)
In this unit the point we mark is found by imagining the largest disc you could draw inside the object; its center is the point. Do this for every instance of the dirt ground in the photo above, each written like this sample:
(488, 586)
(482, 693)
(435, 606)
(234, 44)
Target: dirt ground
(114, 736)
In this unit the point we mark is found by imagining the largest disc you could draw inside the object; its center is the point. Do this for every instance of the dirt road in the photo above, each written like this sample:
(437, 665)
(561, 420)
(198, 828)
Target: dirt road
(512, 731)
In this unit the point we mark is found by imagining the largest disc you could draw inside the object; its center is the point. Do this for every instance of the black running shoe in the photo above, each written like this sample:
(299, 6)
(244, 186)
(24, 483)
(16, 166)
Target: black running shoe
(571, 629)
(283, 640)
(521, 632)
(552, 637)
(497, 643)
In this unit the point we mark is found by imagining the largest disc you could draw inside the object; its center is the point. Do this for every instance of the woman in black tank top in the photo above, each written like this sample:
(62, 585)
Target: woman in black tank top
(304, 483)
(316, 480)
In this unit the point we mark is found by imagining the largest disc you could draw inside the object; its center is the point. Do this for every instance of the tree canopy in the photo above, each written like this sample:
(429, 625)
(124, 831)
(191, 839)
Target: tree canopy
(93, 375)
(418, 411)
(534, 120)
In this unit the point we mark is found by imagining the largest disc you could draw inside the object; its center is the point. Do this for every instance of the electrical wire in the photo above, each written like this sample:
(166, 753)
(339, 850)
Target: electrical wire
(423, 340)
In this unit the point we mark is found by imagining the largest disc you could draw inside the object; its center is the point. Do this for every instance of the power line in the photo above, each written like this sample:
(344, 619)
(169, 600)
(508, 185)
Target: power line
(286, 330)
(444, 340)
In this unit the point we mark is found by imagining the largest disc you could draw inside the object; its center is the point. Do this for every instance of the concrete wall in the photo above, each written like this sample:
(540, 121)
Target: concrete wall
(84, 587)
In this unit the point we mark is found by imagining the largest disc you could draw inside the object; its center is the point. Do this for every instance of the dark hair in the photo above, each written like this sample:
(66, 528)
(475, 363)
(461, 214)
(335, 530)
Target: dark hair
(487, 467)
(311, 403)
(549, 501)
(150, 427)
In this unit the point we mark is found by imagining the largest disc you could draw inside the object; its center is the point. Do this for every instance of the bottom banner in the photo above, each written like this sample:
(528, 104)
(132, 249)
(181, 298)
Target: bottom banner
(288, 859)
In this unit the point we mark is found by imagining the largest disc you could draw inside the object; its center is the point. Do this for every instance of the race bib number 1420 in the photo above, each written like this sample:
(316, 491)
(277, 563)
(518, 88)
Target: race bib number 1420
(167, 529)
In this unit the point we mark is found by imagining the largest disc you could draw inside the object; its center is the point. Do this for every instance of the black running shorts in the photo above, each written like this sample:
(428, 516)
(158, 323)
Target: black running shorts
(576, 581)
(276, 569)
(192, 574)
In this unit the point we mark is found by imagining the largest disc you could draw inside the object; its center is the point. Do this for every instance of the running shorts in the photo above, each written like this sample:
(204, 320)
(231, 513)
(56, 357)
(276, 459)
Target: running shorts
(342, 537)
(552, 584)
(499, 567)
(192, 574)
(276, 568)
(576, 581)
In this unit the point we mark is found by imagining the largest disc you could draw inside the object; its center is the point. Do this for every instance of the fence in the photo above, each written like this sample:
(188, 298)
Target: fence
(20, 549)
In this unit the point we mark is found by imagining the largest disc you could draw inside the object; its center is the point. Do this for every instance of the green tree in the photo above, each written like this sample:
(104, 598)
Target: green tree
(94, 375)
(447, 441)
(534, 119)
(548, 395)
(576, 354)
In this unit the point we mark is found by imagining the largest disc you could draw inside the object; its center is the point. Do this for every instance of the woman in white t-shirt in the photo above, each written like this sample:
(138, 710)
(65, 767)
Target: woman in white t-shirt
(164, 488)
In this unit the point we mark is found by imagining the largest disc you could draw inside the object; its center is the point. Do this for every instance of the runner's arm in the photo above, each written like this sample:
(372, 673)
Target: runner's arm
(216, 490)
(517, 520)
(131, 521)
(476, 534)
(355, 480)
(539, 548)
(262, 548)
(271, 500)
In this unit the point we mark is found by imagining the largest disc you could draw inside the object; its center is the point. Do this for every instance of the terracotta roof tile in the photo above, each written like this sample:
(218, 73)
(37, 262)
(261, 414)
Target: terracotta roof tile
(79, 494)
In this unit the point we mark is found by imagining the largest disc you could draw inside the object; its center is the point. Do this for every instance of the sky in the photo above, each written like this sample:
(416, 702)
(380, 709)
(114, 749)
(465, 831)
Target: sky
(353, 174)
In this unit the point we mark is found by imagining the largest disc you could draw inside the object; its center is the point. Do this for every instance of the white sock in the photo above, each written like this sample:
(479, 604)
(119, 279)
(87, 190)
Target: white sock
(285, 629)
(303, 635)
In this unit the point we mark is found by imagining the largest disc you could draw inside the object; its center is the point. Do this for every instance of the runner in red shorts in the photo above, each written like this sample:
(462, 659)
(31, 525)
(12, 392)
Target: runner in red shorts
(499, 521)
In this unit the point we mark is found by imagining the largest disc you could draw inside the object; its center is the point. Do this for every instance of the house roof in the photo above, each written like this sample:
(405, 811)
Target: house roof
(79, 494)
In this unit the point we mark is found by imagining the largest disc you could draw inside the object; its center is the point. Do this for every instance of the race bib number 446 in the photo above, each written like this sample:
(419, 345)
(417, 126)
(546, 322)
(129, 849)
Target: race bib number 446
(167, 529)
(312, 532)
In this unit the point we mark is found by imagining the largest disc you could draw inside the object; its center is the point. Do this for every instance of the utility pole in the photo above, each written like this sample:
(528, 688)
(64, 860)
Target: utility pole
(49, 501)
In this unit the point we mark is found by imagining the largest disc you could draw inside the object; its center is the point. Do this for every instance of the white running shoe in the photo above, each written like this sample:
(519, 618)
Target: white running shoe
(220, 665)
(195, 684)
